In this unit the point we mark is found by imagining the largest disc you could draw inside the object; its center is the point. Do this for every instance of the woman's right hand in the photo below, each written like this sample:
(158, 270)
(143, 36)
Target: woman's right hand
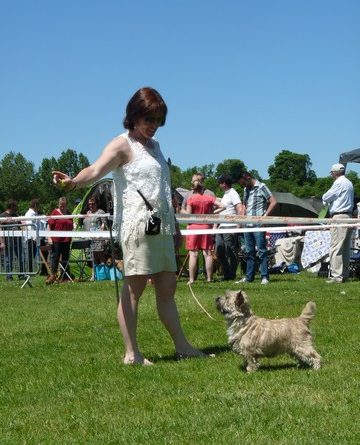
(63, 181)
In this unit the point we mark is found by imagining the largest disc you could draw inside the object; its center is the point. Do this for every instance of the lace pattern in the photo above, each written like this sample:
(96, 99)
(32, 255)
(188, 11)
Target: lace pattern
(148, 172)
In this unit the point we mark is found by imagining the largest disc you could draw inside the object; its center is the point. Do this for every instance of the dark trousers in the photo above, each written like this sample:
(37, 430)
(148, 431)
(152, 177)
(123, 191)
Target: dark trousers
(60, 250)
(226, 251)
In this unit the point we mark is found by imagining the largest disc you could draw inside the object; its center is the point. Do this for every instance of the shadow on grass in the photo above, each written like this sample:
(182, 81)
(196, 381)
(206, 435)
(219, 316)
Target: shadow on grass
(279, 366)
(216, 349)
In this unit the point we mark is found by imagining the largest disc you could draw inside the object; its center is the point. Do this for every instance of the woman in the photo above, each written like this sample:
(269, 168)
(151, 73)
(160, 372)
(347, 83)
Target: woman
(200, 203)
(60, 245)
(94, 222)
(137, 163)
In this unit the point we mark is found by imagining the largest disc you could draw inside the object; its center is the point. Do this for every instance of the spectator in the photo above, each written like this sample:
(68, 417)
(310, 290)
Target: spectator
(94, 222)
(258, 201)
(198, 176)
(176, 201)
(178, 239)
(200, 203)
(10, 244)
(340, 198)
(227, 243)
(60, 245)
(33, 224)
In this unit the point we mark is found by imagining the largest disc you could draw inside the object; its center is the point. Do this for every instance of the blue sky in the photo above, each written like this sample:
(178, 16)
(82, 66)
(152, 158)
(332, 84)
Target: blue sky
(242, 79)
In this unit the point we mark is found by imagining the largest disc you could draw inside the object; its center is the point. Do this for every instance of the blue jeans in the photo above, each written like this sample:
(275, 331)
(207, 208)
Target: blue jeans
(256, 242)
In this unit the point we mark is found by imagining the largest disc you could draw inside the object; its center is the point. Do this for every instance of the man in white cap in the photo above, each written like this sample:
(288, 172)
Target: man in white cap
(340, 198)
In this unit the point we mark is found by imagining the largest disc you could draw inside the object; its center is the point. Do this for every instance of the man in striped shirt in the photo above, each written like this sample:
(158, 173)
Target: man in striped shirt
(258, 201)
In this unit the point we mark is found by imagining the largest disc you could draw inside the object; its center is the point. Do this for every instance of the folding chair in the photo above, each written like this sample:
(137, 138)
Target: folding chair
(77, 257)
(354, 265)
(43, 260)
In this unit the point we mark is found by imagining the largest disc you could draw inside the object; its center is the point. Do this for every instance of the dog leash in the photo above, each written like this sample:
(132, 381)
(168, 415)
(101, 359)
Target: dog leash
(201, 306)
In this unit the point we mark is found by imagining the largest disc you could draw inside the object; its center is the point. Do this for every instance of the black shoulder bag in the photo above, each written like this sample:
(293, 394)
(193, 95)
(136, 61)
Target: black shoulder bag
(153, 224)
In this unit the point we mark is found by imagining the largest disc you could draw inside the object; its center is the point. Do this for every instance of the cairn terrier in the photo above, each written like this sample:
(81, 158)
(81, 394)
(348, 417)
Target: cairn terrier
(254, 337)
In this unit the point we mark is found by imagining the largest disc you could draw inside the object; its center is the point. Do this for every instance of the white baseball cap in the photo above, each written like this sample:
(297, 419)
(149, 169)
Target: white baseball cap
(337, 168)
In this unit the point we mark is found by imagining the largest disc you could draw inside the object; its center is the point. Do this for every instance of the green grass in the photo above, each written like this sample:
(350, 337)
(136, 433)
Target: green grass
(62, 381)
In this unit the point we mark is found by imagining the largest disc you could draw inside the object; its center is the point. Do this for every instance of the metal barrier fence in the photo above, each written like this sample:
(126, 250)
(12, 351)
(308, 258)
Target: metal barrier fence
(19, 251)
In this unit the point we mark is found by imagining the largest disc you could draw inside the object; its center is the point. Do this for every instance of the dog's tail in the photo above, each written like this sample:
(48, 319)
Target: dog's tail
(309, 311)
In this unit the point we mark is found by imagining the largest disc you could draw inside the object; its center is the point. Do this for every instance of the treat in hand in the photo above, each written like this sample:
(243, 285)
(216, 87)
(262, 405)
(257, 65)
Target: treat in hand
(61, 184)
(59, 179)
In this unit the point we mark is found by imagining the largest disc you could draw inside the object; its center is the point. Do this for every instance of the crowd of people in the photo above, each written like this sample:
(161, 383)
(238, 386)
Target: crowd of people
(19, 251)
(220, 252)
(149, 234)
(225, 246)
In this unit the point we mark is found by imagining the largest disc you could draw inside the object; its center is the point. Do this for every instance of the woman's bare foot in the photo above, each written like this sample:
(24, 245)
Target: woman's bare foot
(137, 360)
(190, 282)
(189, 353)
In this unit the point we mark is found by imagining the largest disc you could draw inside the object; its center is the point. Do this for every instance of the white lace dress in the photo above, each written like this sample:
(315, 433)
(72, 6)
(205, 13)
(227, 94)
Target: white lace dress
(149, 173)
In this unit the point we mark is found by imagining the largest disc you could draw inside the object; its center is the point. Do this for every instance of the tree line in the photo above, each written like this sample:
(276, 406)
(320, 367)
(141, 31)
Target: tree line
(19, 180)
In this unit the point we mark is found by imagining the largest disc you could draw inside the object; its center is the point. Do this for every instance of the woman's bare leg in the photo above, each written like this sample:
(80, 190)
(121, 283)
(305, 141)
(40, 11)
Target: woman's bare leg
(209, 264)
(193, 260)
(127, 315)
(165, 286)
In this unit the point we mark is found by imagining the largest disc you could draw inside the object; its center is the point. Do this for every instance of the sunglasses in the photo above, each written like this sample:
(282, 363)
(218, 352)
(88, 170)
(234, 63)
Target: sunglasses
(154, 120)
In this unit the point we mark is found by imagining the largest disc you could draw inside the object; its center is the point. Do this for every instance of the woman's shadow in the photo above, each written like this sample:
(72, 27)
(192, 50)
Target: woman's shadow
(214, 350)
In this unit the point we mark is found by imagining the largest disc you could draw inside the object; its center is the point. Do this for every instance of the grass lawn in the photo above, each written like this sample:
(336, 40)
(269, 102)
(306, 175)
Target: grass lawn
(62, 381)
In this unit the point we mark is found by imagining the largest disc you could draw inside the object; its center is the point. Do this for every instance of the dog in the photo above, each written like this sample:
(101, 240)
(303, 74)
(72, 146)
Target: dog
(118, 263)
(254, 337)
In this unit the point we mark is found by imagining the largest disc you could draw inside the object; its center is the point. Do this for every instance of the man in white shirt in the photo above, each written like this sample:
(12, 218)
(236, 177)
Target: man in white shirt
(31, 225)
(340, 198)
(226, 243)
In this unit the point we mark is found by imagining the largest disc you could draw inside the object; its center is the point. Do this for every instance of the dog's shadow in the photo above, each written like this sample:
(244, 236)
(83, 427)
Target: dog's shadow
(218, 350)
(267, 367)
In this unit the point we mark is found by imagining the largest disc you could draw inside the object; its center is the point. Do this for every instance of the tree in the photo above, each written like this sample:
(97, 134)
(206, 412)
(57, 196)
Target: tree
(291, 167)
(16, 177)
(176, 176)
(45, 189)
(231, 167)
(321, 186)
(354, 178)
(71, 163)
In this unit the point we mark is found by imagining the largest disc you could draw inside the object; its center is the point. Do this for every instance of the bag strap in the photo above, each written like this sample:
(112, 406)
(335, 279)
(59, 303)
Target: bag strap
(147, 203)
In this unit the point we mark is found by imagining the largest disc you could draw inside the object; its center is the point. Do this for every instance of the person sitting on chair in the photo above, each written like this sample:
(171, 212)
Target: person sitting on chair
(94, 222)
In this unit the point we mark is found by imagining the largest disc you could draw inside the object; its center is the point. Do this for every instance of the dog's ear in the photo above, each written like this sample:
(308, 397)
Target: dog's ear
(239, 299)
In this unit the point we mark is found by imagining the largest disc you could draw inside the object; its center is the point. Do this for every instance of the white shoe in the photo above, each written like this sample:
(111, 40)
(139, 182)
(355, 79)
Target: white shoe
(334, 280)
(264, 281)
(243, 280)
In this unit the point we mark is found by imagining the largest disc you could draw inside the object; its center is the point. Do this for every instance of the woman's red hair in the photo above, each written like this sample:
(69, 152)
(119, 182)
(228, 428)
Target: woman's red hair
(146, 101)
